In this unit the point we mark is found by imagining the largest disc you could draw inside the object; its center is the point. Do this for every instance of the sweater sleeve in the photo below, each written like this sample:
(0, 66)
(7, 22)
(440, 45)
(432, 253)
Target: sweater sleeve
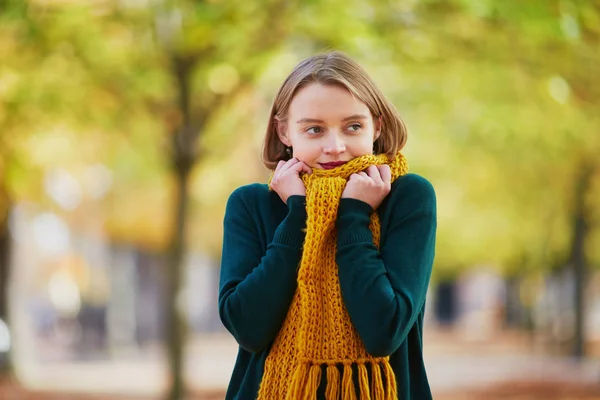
(384, 290)
(256, 288)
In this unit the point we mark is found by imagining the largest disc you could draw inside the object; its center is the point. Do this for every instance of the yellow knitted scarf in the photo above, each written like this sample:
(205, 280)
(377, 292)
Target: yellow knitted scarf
(317, 330)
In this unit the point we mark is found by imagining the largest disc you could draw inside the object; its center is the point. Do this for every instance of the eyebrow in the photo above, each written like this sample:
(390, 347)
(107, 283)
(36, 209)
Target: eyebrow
(355, 116)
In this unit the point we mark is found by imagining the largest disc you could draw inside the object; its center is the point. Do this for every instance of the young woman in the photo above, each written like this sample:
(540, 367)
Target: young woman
(325, 270)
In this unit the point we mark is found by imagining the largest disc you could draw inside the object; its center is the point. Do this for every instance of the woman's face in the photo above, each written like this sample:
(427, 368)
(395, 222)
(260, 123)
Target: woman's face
(326, 126)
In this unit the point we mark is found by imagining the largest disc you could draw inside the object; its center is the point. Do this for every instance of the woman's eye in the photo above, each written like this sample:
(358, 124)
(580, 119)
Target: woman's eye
(314, 130)
(354, 127)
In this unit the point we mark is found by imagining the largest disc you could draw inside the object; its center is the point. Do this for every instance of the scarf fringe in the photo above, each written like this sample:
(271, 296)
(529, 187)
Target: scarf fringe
(377, 388)
(306, 379)
(363, 382)
(298, 382)
(333, 383)
(391, 390)
(348, 392)
(314, 378)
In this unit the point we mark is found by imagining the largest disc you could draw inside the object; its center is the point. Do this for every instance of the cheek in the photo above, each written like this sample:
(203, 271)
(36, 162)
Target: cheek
(308, 150)
(303, 148)
(360, 146)
(363, 141)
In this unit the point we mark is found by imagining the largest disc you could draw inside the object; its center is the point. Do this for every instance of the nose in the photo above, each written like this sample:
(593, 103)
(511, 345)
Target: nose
(334, 146)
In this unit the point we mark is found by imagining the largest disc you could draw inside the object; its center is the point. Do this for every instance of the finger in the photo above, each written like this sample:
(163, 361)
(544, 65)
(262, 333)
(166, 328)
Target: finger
(386, 173)
(307, 169)
(363, 174)
(288, 164)
(303, 167)
(277, 171)
(373, 173)
(279, 165)
(300, 167)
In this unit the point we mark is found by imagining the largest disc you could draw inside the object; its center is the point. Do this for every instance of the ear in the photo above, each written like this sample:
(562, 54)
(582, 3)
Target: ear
(378, 125)
(281, 128)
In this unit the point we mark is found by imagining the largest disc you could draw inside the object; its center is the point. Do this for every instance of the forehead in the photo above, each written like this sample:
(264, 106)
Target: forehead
(326, 102)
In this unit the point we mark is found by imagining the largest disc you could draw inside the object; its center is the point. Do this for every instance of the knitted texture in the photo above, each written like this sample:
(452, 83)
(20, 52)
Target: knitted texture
(317, 331)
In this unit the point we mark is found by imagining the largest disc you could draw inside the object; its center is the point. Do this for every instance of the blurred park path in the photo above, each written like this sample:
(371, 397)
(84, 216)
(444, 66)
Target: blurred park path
(456, 366)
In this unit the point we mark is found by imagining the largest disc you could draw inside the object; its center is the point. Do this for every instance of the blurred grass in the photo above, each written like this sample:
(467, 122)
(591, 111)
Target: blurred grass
(529, 390)
(11, 390)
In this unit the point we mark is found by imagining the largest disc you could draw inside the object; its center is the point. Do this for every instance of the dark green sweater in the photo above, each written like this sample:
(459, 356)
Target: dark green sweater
(384, 290)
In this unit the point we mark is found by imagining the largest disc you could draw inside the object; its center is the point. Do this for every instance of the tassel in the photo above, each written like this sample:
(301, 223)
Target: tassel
(312, 385)
(348, 392)
(377, 389)
(298, 382)
(363, 382)
(333, 383)
(391, 390)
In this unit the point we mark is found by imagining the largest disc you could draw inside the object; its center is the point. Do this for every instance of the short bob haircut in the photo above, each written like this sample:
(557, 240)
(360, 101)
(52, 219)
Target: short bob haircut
(334, 68)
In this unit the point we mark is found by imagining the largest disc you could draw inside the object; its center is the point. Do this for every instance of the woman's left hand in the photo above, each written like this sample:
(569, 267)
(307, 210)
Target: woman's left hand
(370, 186)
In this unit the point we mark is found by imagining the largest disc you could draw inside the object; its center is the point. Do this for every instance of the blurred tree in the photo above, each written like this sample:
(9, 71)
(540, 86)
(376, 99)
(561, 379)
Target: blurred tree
(194, 37)
(202, 55)
(517, 89)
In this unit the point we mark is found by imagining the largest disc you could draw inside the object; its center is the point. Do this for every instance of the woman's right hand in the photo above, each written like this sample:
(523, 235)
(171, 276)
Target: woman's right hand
(286, 179)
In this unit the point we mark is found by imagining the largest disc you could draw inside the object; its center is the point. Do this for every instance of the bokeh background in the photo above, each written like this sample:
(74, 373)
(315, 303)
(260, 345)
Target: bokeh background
(125, 125)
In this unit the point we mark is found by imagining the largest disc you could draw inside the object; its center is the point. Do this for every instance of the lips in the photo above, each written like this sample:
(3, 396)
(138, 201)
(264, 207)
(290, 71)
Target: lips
(331, 165)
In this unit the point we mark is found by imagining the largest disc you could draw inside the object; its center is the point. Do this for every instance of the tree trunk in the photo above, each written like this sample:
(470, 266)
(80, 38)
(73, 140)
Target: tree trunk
(5, 364)
(513, 316)
(578, 259)
(175, 320)
(184, 157)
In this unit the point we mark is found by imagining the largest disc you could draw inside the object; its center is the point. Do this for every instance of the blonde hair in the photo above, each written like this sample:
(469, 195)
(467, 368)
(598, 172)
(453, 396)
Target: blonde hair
(334, 68)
